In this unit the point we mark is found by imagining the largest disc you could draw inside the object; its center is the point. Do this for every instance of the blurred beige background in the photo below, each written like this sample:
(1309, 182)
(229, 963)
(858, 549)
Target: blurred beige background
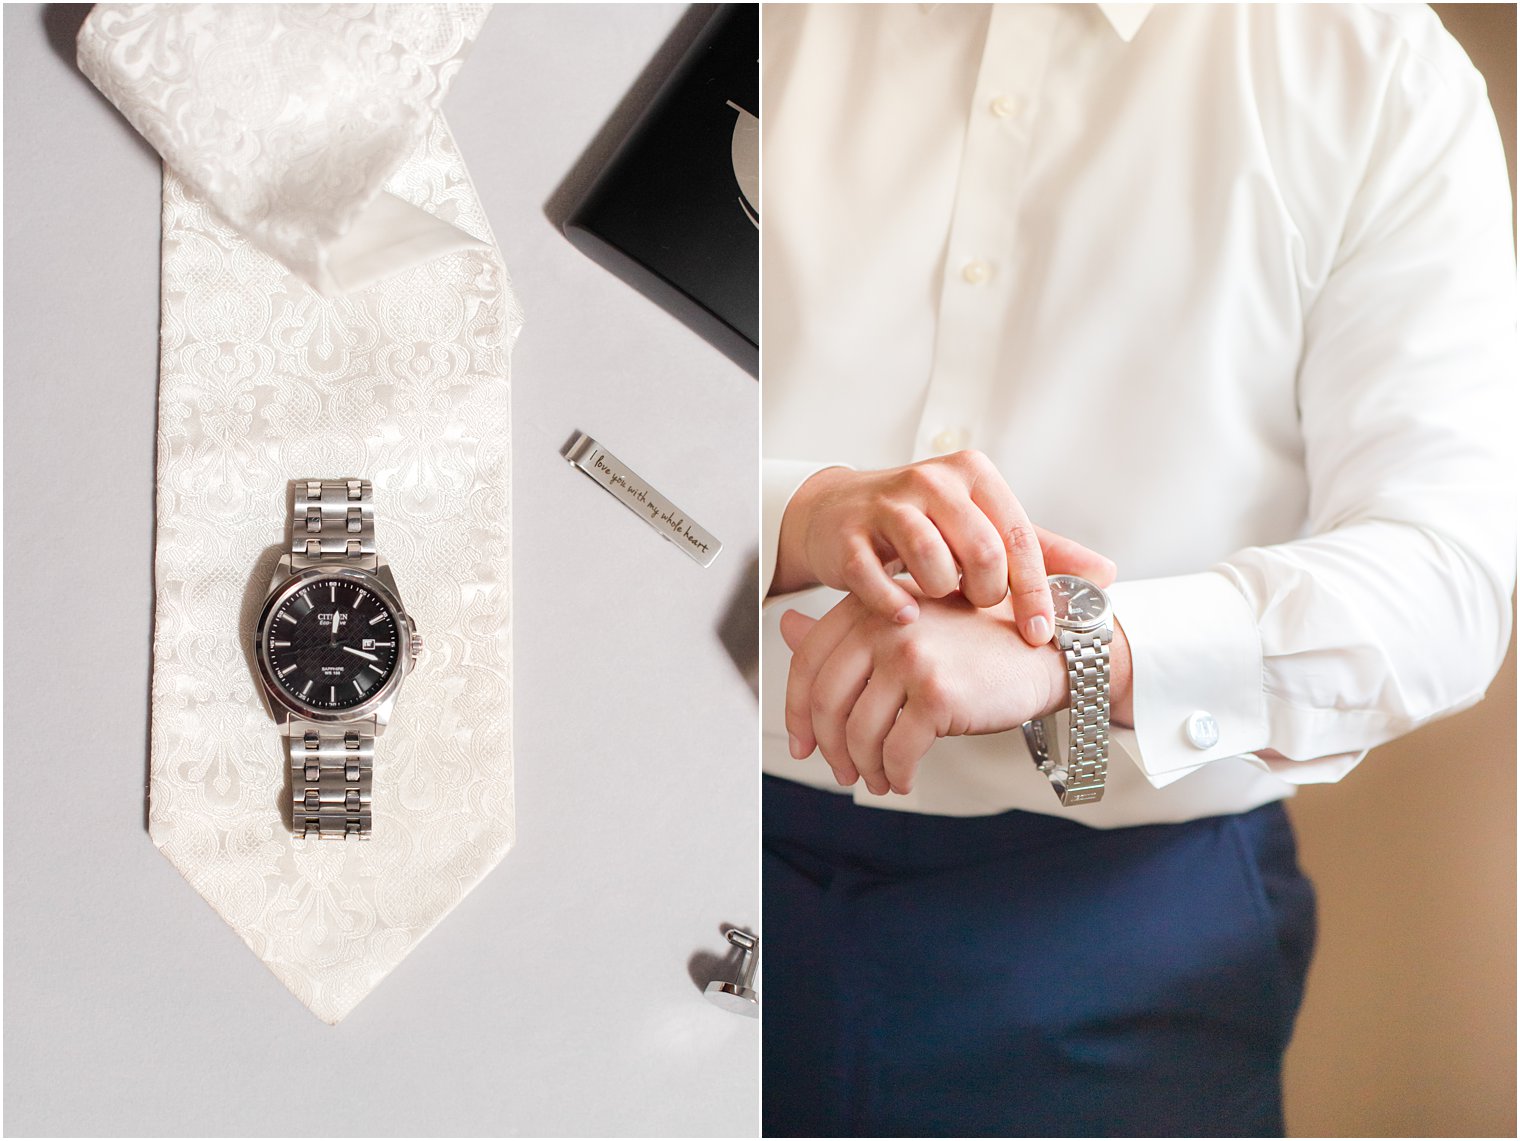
(1408, 1028)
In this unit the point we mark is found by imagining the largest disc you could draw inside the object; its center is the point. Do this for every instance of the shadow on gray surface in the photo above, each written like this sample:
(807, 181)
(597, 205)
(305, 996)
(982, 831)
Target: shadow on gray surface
(62, 22)
(633, 104)
(709, 967)
(740, 629)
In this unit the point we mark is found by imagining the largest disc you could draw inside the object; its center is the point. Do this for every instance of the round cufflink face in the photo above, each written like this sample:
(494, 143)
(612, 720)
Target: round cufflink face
(1202, 730)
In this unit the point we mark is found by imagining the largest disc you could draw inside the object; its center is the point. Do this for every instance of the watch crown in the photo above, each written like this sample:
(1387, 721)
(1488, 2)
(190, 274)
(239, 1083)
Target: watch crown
(416, 645)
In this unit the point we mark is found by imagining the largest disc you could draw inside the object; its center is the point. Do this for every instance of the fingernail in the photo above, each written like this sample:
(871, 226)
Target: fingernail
(1039, 630)
(795, 746)
(845, 779)
(907, 614)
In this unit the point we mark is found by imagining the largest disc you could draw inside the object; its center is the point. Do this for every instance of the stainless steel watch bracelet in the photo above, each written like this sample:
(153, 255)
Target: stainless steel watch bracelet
(332, 765)
(1081, 779)
(333, 520)
(331, 779)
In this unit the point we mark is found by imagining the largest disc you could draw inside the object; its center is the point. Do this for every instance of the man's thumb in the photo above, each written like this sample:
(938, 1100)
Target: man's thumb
(1067, 556)
(794, 628)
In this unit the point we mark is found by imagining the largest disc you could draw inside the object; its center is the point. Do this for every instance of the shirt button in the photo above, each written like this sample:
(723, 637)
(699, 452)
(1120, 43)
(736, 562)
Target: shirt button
(976, 271)
(1006, 106)
(1202, 729)
(950, 440)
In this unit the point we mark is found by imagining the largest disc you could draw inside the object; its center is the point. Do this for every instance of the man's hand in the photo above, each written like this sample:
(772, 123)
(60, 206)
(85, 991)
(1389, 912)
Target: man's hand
(874, 695)
(952, 522)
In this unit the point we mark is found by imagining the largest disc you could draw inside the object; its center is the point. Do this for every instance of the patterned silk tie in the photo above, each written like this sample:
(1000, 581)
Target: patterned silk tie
(333, 306)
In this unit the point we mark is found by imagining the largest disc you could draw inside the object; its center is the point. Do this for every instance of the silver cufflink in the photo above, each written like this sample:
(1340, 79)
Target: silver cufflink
(1202, 729)
(740, 996)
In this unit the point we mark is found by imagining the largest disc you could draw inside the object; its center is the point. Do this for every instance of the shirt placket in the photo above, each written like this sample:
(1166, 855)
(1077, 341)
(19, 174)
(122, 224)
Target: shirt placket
(981, 271)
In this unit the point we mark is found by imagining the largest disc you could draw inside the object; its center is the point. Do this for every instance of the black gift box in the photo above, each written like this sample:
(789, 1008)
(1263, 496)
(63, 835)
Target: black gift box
(675, 212)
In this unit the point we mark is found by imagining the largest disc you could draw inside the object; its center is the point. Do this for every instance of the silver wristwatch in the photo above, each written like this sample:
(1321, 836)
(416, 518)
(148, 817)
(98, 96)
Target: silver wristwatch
(1083, 634)
(333, 643)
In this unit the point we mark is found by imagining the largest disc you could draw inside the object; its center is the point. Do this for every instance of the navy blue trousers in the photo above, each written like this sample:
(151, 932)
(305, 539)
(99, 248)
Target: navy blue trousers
(1024, 975)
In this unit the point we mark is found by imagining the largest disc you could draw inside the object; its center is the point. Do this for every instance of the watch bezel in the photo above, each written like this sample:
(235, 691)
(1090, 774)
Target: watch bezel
(1089, 623)
(297, 582)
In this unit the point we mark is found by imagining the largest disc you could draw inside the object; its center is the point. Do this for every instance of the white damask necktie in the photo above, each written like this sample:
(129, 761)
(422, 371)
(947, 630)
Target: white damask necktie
(333, 306)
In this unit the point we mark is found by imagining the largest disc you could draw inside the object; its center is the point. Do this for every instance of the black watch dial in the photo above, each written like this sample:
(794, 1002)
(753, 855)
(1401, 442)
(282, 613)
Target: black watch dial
(332, 644)
(1077, 601)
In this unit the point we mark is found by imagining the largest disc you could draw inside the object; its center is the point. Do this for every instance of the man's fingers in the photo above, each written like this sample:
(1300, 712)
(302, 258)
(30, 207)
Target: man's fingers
(795, 628)
(916, 729)
(919, 544)
(1027, 588)
(870, 721)
(815, 641)
(868, 580)
(832, 698)
(1067, 556)
(978, 550)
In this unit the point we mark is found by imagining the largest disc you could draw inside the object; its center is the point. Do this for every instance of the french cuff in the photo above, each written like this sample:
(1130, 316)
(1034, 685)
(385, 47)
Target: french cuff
(779, 481)
(1196, 680)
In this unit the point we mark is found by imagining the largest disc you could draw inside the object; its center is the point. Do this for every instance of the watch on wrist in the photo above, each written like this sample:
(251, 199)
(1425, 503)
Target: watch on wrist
(1083, 635)
(333, 644)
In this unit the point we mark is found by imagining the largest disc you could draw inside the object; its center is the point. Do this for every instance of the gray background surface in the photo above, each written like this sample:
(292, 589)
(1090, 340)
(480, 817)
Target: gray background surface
(559, 997)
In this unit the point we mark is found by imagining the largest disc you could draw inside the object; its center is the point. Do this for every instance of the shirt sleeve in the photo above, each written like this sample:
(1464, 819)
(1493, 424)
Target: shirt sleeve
(1394, 608)
(779, 481)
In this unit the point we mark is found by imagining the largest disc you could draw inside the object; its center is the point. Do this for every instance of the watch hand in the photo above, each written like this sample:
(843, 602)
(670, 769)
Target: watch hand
(360, 653)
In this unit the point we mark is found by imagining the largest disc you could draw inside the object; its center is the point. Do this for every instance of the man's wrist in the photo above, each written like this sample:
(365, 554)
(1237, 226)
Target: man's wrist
(1121, 704)
(1057, 682)
(1120, 695)
(792, 570)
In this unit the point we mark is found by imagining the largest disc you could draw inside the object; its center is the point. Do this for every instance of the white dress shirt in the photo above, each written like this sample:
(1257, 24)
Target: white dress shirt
(1226, 293)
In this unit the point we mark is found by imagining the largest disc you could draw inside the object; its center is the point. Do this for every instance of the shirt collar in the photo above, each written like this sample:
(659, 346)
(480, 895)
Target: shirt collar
(1125, 19)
